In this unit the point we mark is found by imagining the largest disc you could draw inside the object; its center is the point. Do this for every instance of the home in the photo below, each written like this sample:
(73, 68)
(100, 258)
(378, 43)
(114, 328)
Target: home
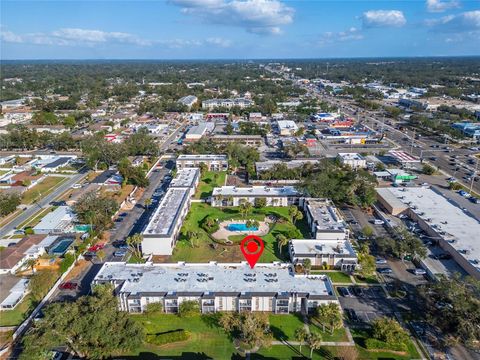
(58, 221)
(274, 196)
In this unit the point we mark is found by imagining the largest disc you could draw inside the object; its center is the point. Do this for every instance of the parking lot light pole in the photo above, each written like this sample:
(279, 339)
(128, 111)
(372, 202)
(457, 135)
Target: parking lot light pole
(474, 175)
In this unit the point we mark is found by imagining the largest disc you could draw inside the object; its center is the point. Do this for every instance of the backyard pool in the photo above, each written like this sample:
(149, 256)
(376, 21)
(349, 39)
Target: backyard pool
(61, 247)
(241, 227)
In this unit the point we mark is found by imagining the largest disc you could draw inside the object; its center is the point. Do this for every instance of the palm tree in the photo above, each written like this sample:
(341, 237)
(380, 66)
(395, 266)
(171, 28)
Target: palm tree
(301, 334)
(336, 318)
(297, 216)
(292, 211)
(148, 202)
(245, 208)
(101, 255)
(323, 315)
(192, 236)
(134, 242)
(282, 240)
(314, 342)
(30, 263)
(307, 265)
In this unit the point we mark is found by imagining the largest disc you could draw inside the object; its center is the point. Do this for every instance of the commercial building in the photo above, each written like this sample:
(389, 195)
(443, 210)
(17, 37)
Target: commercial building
(227, 103)
(397, 176)
(214, 162)
(188, 100)
(287, 127)
(468, 129)
(274, 196)
(324, 220)
(196, 132)
(354, 160)
(335, 254)
(248, 140)
(58, 221)
(456, 231)
(217, 287)
(409, 103)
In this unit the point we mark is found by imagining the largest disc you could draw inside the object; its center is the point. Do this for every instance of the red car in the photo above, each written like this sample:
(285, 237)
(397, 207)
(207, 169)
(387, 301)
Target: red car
(68, 286)
(96, 247)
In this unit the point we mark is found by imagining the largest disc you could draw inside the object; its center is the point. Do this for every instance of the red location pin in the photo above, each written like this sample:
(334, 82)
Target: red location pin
(252, 248)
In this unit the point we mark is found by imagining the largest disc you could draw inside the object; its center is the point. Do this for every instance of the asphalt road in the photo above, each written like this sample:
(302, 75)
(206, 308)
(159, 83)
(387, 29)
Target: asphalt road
(47, 199)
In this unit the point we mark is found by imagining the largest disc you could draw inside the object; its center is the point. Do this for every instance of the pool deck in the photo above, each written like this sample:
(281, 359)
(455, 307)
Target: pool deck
(223, 233)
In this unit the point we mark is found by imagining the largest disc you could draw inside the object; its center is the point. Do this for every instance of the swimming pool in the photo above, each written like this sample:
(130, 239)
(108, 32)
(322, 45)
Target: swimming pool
(241, 227)
(61, 247)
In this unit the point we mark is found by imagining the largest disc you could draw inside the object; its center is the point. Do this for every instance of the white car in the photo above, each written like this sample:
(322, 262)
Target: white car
(76, 186)
(419, 271)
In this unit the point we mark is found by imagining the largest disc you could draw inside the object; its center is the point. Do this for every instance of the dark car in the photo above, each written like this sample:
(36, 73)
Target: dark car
(385, 270)
(343, 291)
(351, 315)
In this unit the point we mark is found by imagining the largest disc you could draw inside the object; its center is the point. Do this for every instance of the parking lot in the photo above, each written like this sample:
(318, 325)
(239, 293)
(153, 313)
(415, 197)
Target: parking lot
(365, 304)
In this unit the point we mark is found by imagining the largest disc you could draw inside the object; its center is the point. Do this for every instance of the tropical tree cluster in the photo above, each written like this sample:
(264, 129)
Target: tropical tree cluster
(405, 243)
(91, 327)
(9, 203)
(457, 299)
(96, 210)
(251, 328)
(134, 175)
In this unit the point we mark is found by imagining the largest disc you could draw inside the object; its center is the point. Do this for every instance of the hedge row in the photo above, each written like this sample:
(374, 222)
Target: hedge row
(168, 337)
(374, 344)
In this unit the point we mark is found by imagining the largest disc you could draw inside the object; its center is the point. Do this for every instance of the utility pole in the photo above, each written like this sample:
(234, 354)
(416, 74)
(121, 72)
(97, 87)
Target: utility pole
(474, 175)
(413, 139)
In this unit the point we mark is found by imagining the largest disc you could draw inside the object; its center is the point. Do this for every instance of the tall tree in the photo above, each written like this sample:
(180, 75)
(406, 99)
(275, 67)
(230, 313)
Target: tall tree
(301, 334)
(314, 342)
(134, 242)
(92, 327)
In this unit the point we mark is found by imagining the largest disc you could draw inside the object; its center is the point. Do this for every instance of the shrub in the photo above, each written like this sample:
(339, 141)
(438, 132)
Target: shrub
(374, 344)
(29, 231)
(154, 308)
(210, 225)
(189, 308)
(168, 337)
(67, 261)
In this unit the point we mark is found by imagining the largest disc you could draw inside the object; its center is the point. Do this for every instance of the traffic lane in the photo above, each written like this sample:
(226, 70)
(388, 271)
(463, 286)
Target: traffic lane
(46, 200)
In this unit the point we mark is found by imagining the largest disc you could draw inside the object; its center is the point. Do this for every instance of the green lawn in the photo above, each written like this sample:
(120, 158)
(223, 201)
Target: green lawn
(17, 315)
(283, 352)
(208, 182)
(207, 337)
(283, 326)
(337, 335)
(204, 251)
(359, 336)
(335, 276)
(44, 188)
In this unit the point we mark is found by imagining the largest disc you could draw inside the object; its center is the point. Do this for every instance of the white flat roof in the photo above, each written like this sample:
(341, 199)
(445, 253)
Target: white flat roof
(444, 216)
(326, 247)
(166, 214)
(185, 178)
(325, 214)
(58, 218)
(287, 124)
(203, 157)
(219, 277)
(16, 293)
(351, 156)
(255, 191)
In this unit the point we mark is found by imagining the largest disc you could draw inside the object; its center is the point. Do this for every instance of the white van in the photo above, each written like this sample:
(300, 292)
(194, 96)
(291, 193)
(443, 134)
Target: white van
(378, 222)
(418, 271)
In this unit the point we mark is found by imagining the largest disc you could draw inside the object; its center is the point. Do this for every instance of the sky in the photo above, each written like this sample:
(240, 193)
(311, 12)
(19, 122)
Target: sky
(237, 29)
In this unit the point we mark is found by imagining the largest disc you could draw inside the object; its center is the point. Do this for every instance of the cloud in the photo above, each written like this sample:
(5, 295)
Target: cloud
(77, 37)
(383, 18)
(351, 34)
(468, 21)
(255, 16)
(441, 6)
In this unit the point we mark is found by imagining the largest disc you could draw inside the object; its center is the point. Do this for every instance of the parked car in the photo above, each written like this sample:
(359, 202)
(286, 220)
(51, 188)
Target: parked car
(378, 222)
(442, 256)
(418, 271)
(69, 285)
(351, 315)
(385, 270)
(96, 247)
(120, 253)
(343, 291)
(474, 200)
(380, 261)
(76, 186)
(464, 193)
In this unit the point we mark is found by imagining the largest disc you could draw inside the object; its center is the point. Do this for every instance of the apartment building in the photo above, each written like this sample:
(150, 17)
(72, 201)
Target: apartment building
(324, 219)
(248, 140)
(274, 196)
(354, 160)
(336, 254)
(161, 233)
(227, 103)
(213, 162)
(216, 286)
